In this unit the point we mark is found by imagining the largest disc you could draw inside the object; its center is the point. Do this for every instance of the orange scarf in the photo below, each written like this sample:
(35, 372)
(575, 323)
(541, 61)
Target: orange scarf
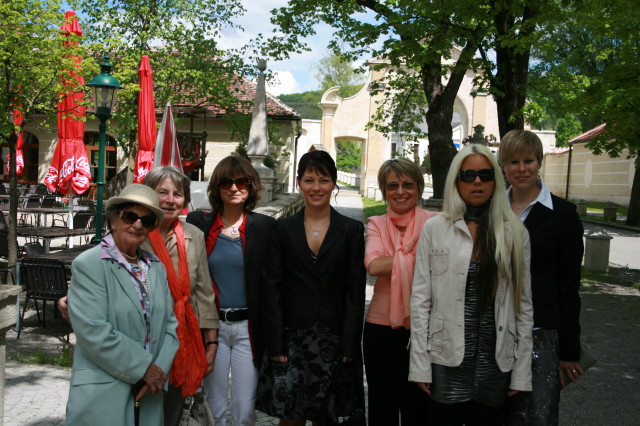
(190, 363)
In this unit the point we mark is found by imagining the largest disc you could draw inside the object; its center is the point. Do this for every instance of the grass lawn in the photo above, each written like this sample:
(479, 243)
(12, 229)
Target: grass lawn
(371, 207)
(595, 212)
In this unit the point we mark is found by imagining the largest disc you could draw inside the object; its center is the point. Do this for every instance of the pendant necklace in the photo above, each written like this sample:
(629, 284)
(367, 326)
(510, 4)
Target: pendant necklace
(235, 227)
(315, 232)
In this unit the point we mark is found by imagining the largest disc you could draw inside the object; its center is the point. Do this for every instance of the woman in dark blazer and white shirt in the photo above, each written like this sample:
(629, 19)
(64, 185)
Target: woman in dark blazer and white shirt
(236, 241)
(556, 255)
(313, 304)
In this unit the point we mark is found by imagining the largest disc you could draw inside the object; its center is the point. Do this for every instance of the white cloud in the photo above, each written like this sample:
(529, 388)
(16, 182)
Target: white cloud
(283, 82)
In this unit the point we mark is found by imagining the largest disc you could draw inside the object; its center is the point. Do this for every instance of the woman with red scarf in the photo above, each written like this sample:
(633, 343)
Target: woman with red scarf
(236, 242)
(180, 246)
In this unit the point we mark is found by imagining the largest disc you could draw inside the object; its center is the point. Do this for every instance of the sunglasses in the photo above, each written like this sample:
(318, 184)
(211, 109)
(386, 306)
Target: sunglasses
(240, 183)
(394, 186)
(485, 175)
(129, 217)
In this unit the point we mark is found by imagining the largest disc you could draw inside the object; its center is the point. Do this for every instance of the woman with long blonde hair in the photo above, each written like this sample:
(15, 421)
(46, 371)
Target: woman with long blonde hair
(471, 308)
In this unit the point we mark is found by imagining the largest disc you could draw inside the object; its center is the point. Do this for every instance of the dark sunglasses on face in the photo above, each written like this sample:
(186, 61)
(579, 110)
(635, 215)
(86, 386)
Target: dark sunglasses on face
(485, 175)
(227, 183)
(129, 217)
(394, 186)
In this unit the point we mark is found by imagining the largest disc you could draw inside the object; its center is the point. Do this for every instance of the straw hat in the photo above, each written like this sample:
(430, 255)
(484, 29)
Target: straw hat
(138, 194)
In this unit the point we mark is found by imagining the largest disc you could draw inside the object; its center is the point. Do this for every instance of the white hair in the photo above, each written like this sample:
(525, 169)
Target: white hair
(509, 255)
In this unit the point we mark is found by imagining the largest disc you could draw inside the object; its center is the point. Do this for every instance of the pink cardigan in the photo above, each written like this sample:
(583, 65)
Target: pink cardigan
(390, 304)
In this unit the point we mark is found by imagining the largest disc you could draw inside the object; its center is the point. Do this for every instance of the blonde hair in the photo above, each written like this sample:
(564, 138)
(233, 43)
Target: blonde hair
(519, 142)
(509, 254)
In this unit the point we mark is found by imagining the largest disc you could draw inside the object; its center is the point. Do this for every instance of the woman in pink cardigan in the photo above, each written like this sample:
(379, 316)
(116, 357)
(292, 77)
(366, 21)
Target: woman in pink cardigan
(390, 256)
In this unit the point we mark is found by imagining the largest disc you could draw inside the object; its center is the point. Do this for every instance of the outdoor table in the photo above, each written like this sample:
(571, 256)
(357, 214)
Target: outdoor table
(49, 233)
(40, 211)
(68, 255)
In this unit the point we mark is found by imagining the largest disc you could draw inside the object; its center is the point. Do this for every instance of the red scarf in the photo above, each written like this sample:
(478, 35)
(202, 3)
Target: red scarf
(190, 363)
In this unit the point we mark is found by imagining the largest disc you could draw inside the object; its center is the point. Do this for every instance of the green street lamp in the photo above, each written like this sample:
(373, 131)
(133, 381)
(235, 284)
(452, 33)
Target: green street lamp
(104, 87)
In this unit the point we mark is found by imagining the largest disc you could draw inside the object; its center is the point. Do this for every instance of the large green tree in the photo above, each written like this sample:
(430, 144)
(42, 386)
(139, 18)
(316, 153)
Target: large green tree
(31, 67)
(333, 70)
(590, 66)
(415, 40)
(179, 36)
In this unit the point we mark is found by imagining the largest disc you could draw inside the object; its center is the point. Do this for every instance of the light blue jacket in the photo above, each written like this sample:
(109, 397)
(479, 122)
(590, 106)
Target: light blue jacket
(109, 356)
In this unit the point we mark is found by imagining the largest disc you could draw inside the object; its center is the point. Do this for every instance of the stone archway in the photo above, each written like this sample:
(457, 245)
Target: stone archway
(346, 119)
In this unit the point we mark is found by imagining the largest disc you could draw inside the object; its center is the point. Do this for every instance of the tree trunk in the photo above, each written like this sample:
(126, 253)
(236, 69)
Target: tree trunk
(633, 217)
(509, 84)
(441, 148)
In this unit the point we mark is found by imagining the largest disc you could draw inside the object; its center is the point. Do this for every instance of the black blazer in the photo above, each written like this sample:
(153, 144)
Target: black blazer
(257, 231)
(329, 290)
(556, 256)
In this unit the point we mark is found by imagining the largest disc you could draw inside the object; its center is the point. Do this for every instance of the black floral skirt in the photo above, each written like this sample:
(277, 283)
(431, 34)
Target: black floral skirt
(314, 384)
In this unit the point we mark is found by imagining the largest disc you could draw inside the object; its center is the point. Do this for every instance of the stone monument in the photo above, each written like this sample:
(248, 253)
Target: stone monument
(258, 146)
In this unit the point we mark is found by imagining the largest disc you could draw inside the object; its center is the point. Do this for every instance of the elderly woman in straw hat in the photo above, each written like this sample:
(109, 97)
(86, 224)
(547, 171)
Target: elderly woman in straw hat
(121, 311)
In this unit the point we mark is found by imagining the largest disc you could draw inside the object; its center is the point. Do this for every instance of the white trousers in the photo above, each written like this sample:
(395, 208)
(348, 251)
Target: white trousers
(234, 356)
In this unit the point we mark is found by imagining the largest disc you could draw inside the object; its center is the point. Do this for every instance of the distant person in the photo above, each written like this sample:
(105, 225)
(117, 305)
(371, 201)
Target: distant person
(556, 255)
(236, 240)
(390, 252)
(471, 308)
(122, 315)
(313, 307)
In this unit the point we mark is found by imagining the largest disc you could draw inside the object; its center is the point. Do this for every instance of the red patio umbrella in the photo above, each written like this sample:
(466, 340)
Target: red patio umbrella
(69, 170)
(146, 122)
(167, 152)
(17, 120)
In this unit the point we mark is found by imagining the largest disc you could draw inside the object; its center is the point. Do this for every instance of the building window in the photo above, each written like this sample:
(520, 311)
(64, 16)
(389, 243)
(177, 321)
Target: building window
(30, 155)
(91, 142)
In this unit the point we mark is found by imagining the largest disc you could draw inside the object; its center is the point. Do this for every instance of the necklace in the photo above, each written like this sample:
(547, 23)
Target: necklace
(316, 232)
(134, 257)
(236, 226)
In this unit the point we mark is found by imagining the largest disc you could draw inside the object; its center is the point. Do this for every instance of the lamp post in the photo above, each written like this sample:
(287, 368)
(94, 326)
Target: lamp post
(104, 87)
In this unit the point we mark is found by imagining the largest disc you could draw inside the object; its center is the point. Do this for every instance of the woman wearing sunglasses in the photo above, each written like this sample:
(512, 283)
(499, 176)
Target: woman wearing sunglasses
(122, 315)
(236, 242)
(471, 308)
(556, 256)
(390, 257)
(180, 247)
(313, 307)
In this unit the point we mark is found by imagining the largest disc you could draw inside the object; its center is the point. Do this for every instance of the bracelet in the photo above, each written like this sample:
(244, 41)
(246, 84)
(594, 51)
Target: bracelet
(211, 342)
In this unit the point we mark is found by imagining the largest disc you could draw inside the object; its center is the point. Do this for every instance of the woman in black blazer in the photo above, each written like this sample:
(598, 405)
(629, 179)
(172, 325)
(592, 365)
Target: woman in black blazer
(314, 306)
(236, 240)
(556, 232)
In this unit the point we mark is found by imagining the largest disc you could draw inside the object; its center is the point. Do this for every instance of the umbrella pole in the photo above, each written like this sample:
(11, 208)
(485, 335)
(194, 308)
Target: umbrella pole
(70, 218)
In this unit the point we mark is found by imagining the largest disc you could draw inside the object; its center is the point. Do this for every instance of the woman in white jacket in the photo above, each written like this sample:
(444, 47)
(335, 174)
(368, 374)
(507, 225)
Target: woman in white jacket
(471, 308)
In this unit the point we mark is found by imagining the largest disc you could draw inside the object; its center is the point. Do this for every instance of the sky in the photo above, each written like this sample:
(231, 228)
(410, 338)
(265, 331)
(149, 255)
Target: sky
(294, 75)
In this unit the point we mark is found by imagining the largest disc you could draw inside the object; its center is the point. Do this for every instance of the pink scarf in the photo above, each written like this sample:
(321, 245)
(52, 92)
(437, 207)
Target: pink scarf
(404, 259)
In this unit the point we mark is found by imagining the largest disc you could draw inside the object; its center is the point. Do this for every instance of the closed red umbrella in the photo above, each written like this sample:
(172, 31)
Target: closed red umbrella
(146, 122)
(167, 152)
(17, 120)
(69, 170)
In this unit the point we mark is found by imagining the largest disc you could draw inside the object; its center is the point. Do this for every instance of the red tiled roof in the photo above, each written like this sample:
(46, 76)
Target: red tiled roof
(245, 91)
(588, 135)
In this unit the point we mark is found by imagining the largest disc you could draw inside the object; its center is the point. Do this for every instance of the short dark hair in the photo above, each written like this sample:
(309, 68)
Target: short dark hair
(319, 162)
(234, 166)
(179, 179)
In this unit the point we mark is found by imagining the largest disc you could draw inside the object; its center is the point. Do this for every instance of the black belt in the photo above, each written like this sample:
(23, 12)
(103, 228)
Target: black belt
(233, 315)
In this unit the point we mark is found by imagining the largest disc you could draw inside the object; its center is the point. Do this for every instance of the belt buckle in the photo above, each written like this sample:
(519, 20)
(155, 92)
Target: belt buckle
(225, 315)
